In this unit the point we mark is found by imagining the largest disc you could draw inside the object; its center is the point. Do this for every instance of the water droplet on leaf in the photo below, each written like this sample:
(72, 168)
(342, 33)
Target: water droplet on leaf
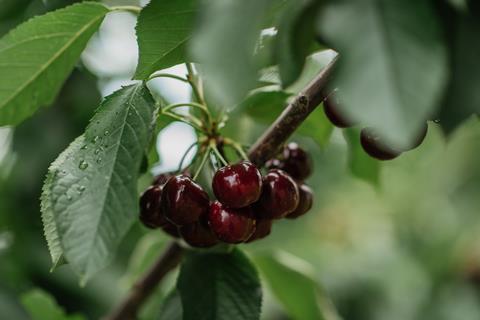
(83, 165)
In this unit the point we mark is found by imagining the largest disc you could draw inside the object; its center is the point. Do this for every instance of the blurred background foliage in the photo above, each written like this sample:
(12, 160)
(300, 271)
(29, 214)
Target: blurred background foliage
(400, 243)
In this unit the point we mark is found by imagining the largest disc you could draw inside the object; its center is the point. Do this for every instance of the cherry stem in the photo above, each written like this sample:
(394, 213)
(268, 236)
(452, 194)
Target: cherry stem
(213, 146)
(265, 148)
(202, 163)
(191, 78)
(190, 120)
(131, 9)
(238, 148)
(202, 107)
(166, 75)
(180, 166)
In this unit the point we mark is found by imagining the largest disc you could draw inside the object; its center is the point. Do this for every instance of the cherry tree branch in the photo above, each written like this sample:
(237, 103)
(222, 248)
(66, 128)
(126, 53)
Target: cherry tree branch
(128, 308)
(265, 148)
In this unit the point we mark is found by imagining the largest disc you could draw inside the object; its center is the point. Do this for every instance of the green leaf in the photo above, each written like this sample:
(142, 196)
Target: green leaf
(217, 286)
(163, 30)
(48, 220)
(90, 189)
(41, 305)
(225, 46)
(361, 165)
(317, 126)
(462, 98)
(292, 282)
(393, 62)
(295, 37)
(172, 307)
(266, 106)
(37, 56)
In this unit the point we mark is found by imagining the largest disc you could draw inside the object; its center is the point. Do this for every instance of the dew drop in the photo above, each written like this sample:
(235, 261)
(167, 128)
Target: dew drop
(63, 172)
(99, 160)
(95, 139)
(98, 150)
(69, 197)
(84, 147)
(80, 189)
(83, 165)
(106, 133)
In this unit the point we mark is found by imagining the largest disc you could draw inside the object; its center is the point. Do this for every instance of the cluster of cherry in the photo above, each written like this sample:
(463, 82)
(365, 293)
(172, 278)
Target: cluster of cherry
(246, 205)
(372, 142)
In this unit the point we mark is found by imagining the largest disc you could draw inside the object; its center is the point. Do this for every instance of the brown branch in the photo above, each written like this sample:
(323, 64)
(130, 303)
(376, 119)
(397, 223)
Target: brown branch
(139, 293)
(265, 148)
(291, 118)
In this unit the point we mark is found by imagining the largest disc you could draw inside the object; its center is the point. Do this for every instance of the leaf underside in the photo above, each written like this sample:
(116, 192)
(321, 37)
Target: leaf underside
(393, 63)
(89, 200)
(164, 28)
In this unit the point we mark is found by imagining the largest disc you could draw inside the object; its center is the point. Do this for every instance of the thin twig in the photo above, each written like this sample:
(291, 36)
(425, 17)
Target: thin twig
(265, 148)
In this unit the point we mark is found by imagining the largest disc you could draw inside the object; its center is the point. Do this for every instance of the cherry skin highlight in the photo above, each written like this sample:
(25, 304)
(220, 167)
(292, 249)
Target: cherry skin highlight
(305, 203)
(238, 185)
(151, 214)
(184, 201)
(296, 162)
(279, 197)
(231, 225)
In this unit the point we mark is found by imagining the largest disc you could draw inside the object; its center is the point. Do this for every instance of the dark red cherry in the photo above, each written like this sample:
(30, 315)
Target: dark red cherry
(279, 197)
(198, 234)
(231, 225)
(296, 162)
(376, 146)
(305, 203)
(184, 201)
(238, 185)
(170, 229)
(151, 214)
(332, 109)
(262, 230)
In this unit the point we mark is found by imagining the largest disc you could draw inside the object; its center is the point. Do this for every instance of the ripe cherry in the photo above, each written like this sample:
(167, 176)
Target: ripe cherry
(305, 203)
(238, 185)
(184, 201)
(331, 107)
(279, 195)
(231, 225)
(151, 213)
(375, 146)
(170, 228)
(198, 234)
(263, 229)
(296, 162)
